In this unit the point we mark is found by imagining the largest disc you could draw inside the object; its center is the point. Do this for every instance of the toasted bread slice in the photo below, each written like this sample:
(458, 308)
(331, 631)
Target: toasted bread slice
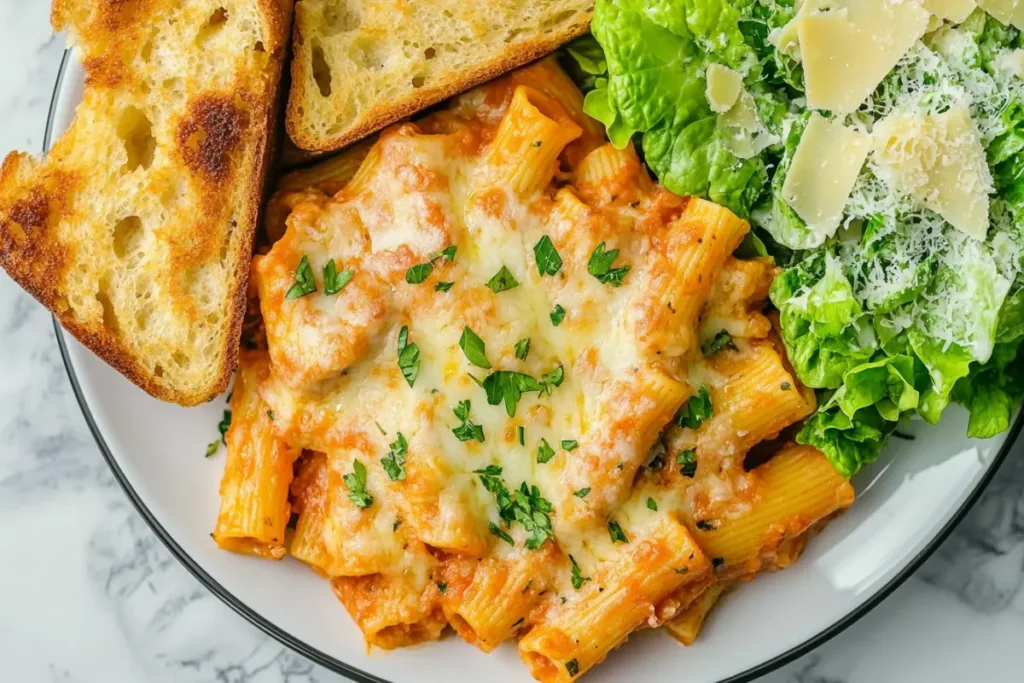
(360, 65)
(136, 230)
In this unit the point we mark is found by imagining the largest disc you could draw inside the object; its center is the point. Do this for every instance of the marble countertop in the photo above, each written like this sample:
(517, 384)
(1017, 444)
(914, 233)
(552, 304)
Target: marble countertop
(89, 595)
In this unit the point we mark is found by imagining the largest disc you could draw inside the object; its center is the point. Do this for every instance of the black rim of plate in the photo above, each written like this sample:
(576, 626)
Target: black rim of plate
(340, 667)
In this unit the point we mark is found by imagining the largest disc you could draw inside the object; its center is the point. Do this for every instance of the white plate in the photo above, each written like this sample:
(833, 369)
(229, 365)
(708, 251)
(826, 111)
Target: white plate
(906, 505)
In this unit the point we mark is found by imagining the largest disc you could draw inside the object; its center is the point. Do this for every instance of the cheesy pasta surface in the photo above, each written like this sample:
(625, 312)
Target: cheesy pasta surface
(510, 385)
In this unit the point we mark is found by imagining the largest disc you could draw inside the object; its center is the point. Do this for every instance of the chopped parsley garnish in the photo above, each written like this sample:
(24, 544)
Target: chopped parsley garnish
(443, 286)
(573, 667)
(688, 460)
(557, 315)
(474, 348)
(304, 283)
(408, 357)
(544, 452)
(523, 348)
(467, 431)
(356, 483)
(582, 493)
(223, 425)
(651, 505)
(705, 525)
(553, 379)
(442, 587)
(502, 280)
(394, 462)
(212, 448)
(615, 531)
(523, 505)
(600, 266)
(508, 386)
(548, 260)
(722, 340)
(570, 444)
(785, 386)
(696, 410)
(577, 576)
(334, 281)
(496, 530)
(421, 271)
(522, 435)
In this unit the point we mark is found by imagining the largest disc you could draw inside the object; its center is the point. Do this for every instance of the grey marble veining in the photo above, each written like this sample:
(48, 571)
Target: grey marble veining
(89, 595)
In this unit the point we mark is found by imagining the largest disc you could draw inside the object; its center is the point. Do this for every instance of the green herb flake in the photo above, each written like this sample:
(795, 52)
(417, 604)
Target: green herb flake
(522, 435)
(443, 286)
(544, 452)
(570, 444)
(408, 357)
(688, 462)
(523, 348)
(651, 505)
(616, 533)
(223, 426)
(577, 576)
(722, 340)
(502, 280)
(497, 531)
(212, 448)
(467, 431)
(581, 493)
(419, 273)
(508, 387)
(557, 315)
(448, 253)
(356, 483)
(600, 266)
(304, 283)
(696, 410)
(270, 414)
(548, 260)
(334, 281)
(394, 462)
(552, 379)
(573, 667)
(442, 587)
(474, 348)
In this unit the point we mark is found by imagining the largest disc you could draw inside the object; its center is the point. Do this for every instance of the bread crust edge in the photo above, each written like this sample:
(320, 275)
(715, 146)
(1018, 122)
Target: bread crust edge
(383, 115)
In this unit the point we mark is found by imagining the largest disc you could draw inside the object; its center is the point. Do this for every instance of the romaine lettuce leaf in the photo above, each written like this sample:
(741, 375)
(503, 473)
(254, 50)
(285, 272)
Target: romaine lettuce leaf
(848, 442)
(824, 328)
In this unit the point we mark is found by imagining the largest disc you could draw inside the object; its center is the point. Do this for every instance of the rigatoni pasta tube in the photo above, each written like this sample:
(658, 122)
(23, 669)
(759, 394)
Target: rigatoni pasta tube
(758, 398)
(254, 509)
(681, 271)
(524, 154)
(487, 600)
(436, 507)
(307, 543)
(798, 487)
(580, 634)
(687, 626)
(359, 540)
(399, 607)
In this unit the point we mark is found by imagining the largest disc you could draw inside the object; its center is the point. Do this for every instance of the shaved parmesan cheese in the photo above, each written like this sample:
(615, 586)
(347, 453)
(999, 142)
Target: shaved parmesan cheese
(1011, 63)
(951, 10)
(938, 159)
(846, 53)
(1007, 11)
(786, 38)
(724, 86)
(825, 167)
(745, 135)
